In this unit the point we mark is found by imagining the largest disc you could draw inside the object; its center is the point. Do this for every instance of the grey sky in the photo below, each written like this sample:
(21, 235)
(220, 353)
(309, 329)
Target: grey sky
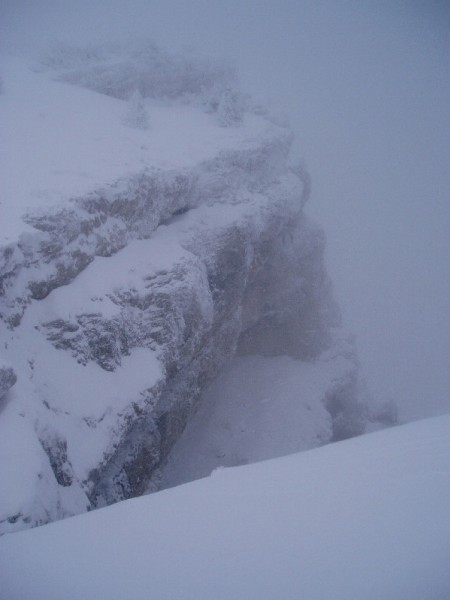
(366, 86)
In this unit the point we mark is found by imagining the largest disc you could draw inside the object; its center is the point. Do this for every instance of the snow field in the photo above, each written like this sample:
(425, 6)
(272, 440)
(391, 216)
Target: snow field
(365, 518)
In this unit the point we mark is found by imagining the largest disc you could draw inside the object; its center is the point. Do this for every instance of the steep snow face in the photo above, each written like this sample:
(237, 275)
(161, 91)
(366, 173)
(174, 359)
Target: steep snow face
(365, 518)
(150, 258)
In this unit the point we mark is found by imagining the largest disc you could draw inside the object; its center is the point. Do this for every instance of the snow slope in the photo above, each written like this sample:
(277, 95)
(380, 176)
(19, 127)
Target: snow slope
(364, 519)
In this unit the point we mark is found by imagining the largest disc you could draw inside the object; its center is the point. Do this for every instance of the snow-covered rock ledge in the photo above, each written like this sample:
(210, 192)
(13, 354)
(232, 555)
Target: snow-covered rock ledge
(65, 238)
(121, 302)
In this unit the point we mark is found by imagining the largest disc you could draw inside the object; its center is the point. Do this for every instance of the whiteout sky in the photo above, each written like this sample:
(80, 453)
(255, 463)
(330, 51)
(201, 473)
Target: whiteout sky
(366, 88)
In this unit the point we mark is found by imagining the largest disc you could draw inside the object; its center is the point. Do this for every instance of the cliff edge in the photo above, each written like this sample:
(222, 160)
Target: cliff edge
(139, 256)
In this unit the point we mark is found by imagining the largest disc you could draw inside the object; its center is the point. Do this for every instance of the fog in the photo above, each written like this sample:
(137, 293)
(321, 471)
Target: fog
(366, 88)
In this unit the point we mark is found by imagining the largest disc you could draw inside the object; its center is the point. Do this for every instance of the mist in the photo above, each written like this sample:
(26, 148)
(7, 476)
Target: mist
(365, 88)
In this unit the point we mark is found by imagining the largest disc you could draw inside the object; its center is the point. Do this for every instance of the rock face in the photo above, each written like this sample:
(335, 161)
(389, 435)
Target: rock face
(7, 378)
(119, 308)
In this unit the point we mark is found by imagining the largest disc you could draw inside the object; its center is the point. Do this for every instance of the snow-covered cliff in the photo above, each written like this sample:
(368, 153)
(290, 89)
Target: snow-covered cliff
(135, 262)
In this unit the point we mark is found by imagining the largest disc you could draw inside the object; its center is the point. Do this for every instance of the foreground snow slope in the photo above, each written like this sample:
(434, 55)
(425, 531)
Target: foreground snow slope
(366, 518)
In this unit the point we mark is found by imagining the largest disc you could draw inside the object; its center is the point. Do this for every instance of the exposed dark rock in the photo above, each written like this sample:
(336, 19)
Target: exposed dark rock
(7, 378)
(56, 449)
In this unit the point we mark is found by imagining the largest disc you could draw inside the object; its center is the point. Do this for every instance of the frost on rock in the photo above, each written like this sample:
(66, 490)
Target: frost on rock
(119, 69)
(7, 377)
(119, 306)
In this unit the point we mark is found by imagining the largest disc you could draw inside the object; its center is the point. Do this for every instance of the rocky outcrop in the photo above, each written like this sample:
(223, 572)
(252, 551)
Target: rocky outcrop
(120, 306)
(7, 378)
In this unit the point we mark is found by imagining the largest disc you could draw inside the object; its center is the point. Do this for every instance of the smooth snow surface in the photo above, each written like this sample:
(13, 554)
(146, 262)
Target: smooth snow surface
(364, 519)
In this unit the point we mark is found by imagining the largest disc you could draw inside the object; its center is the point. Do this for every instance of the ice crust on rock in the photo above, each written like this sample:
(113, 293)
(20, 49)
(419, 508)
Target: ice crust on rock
(121, 302)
